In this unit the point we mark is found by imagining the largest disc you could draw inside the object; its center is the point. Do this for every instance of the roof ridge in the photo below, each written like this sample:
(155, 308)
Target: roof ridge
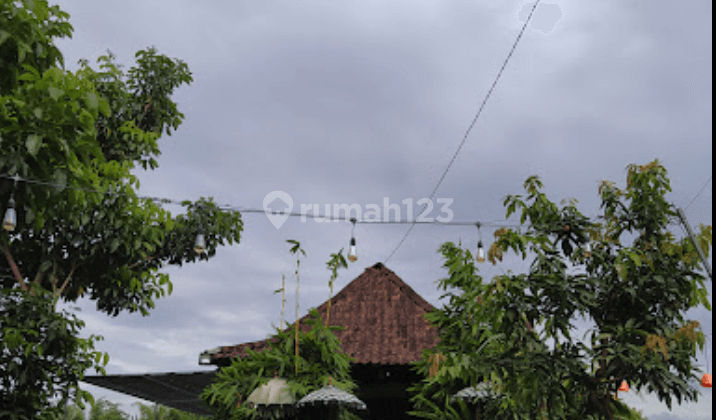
(361, 289)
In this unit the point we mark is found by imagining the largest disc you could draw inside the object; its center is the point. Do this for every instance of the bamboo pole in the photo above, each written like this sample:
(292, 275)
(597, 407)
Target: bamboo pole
(298, 263)
(283, 298)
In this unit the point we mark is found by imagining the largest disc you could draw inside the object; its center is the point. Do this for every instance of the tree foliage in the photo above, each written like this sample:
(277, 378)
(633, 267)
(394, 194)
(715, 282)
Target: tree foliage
(102, 409)
(83, 132)
(40, 354)
(148, 412)
(319, 358)
(636, 295)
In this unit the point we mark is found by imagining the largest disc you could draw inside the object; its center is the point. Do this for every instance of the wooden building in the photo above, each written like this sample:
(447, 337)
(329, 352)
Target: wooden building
(385, 331)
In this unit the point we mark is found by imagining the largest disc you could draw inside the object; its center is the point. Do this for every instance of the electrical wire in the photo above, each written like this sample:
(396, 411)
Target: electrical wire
(474, 120)
(699, 193)
(229, 208)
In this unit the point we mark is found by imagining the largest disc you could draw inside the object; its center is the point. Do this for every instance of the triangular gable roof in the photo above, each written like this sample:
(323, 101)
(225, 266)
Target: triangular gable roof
(383, 317)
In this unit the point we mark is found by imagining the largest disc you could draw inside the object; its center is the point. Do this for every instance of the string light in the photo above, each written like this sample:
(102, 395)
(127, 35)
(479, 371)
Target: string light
(480, 248)
(707, 380)
(200, 244)
(229, 208)
(352, 254)
(10, 219)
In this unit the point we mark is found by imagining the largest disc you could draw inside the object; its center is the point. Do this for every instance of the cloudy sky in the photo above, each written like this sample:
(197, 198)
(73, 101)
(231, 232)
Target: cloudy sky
(356, 102)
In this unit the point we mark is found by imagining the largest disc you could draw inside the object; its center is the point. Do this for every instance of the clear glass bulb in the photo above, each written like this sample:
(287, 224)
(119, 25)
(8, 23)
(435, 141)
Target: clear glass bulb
(587, 250)
(480, 252)
(10, 220)
(352, 253)
(199, 245)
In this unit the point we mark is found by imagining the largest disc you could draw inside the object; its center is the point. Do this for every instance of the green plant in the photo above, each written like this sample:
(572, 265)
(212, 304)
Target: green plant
(320, 358)
(636, 295)
(83, 130)
(337, 261)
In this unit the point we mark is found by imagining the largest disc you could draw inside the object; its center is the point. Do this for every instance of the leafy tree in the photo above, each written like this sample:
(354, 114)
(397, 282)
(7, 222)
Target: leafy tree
(41, 352)
(70, 412)
(320, 358)
(636, 295)
(106, 410)
(147, 412)
(84, 131)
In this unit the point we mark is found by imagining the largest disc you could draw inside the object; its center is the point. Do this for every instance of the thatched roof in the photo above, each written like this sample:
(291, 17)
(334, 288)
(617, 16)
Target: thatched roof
(383, 317)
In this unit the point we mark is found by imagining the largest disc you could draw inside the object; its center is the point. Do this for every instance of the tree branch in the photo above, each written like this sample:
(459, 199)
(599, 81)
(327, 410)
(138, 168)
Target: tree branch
(54, 276)
(38, 277)
(13, 266)
(67, 280)
(141, 262)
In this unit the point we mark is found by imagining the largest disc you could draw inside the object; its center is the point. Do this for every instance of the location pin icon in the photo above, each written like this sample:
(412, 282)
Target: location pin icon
(278, 205)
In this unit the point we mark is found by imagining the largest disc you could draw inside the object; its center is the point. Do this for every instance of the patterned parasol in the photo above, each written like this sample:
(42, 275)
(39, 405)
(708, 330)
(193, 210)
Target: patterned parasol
(477, 393)
(273, 396)
(332, 397)
(481, 391)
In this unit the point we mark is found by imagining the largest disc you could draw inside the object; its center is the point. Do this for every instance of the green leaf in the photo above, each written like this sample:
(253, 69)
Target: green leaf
(630, 324)
(621, 271)
(4, 35)
(104, 107)
(92, 100)
(55, 93)
(33, 144)
(636, 258)
(45, 265)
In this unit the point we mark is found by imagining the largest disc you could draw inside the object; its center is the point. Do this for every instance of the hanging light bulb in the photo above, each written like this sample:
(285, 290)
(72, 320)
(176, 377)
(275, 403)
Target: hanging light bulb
(706, 380)
(624, 387)
(10, 220)
(352, 253)
(200, 244)
(480, 248)
(587, 249)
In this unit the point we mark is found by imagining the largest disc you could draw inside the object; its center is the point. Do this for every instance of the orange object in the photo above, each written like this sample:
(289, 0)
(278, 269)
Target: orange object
(624, 387)
(706, 380)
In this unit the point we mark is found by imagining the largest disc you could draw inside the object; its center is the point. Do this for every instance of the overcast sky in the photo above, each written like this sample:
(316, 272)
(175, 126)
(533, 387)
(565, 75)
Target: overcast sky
(353, 102)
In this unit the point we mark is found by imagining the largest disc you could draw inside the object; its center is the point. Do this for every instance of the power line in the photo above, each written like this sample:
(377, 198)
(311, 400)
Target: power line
(474, 120)
(326, 217)
(699, 193)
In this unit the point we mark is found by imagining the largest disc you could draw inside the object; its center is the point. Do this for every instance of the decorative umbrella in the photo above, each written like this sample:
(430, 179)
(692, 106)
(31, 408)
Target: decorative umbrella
(482, 391)
(273, 396)
(333, 398)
